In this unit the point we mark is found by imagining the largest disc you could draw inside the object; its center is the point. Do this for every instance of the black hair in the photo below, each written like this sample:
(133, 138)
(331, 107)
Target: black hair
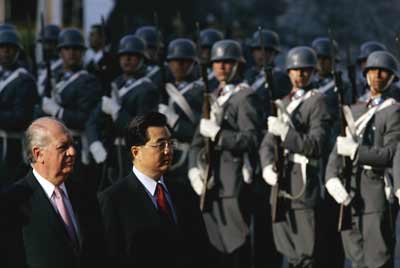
(136, 132)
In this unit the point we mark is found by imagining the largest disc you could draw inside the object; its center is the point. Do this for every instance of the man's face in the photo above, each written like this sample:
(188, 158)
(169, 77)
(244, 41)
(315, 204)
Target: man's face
(71, 56)
(223, 69)
(378, 79)
(205, 54)
(180, 68)
(258, 56)
(300, 78)
(154, 157)
(129, 63)
(50, 47)
(96, 39)
(58, 157)
(8, 54)
(324, 66)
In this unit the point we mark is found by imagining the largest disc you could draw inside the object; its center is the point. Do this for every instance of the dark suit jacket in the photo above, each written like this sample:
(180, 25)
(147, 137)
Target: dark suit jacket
(138, 236)
(42, 239)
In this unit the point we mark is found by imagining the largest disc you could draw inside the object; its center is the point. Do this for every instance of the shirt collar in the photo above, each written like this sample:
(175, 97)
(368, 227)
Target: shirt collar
(47, 186)
(149, 183)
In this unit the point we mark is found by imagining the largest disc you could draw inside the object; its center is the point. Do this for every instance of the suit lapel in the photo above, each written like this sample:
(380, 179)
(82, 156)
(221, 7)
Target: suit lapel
(75, 198)
(45, 211)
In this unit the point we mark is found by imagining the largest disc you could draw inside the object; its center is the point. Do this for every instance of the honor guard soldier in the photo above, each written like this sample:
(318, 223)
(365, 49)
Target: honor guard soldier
(49, 41)
(234, 129)
(373, 133)
(98, 60)
(154, 51)
(133, 94)
(75, 93)
(185, 100)
(365, 50)
(302, 126)
(255, 76)
(326, 209)
(17, 99)
(208, 37)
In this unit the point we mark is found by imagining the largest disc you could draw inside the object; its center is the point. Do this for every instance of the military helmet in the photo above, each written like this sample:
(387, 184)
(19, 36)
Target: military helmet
(382, 60)
(301, 57)
(10, 37)
(8, 26)
(369, 47)
(227, 50)
(208, 37)
(322, 46)
(181, 48)
(149, 34)
(71, 37)
(270, 39)
(50, 33)
(132, 44)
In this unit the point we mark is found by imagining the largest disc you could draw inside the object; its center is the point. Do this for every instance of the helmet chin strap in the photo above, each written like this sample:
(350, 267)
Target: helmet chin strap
(388, 84)
(233, 73)
(189, 70)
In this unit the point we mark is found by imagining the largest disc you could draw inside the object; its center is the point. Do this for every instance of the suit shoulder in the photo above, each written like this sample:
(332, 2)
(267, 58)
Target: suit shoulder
(115, 189)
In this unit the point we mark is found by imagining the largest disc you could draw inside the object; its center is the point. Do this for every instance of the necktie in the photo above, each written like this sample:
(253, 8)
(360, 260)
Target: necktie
(62, 210)
(162, 202)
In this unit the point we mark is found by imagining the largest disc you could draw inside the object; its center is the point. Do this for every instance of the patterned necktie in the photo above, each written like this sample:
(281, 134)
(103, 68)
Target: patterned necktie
(162, 202)
(58, 197)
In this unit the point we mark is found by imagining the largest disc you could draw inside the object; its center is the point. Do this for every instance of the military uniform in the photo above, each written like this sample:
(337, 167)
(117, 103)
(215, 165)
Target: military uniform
(236, 112)
(17, 98)
(369, 242)
(306, 116)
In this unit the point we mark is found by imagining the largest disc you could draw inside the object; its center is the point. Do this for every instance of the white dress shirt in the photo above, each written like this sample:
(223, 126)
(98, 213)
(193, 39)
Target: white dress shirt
(48, 188)
(150, 187)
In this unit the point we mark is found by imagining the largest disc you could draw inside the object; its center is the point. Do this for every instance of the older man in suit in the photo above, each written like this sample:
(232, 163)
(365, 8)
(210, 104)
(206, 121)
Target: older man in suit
(57, 223)
(150, 220)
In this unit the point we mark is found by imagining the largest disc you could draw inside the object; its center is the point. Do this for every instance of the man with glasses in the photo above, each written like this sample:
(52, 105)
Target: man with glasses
(151, 220)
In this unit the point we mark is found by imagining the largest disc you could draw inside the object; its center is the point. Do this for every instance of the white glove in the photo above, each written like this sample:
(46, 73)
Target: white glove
(196, 180)
(110, 106)
(246, 175)
(172, 117)
(338, 192)
(209, 129)
(98, 152)
(269, 175)
(277, 127)
(49, 106)
(346, 146)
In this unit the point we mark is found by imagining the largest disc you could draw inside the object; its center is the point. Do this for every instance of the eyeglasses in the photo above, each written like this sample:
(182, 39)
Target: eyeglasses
(162, 145)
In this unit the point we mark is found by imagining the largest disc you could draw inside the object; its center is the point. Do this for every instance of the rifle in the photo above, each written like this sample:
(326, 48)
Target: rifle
(278, 149)
(351, 72)
(347, 165)
(160, 62)
(48, 88)
(206, 115)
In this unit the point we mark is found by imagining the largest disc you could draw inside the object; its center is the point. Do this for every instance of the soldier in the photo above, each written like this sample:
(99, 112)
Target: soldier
(98, 60)
(17, 98)
(49, 40)
(255, 76)
(302, 125)
(184, 106)
(154, 51)
(327, 212)
(365, 50)
(133, 94)
(208, 37)
(75, 93)
(372, 136)
(234, 129)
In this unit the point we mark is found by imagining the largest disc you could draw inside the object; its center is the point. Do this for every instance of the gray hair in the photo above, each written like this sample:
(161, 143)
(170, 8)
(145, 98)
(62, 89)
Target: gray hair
(38, 135)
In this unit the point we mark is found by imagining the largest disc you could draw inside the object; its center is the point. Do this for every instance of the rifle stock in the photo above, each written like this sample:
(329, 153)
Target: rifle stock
(278, 150)
(344, 222)
(206, 115)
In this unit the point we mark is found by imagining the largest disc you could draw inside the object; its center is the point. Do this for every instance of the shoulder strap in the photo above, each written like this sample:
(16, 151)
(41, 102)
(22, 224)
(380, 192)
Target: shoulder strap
(180, 100)
(12, 77)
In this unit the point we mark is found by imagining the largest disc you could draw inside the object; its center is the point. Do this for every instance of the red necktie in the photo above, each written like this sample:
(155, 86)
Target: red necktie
(162, 202)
